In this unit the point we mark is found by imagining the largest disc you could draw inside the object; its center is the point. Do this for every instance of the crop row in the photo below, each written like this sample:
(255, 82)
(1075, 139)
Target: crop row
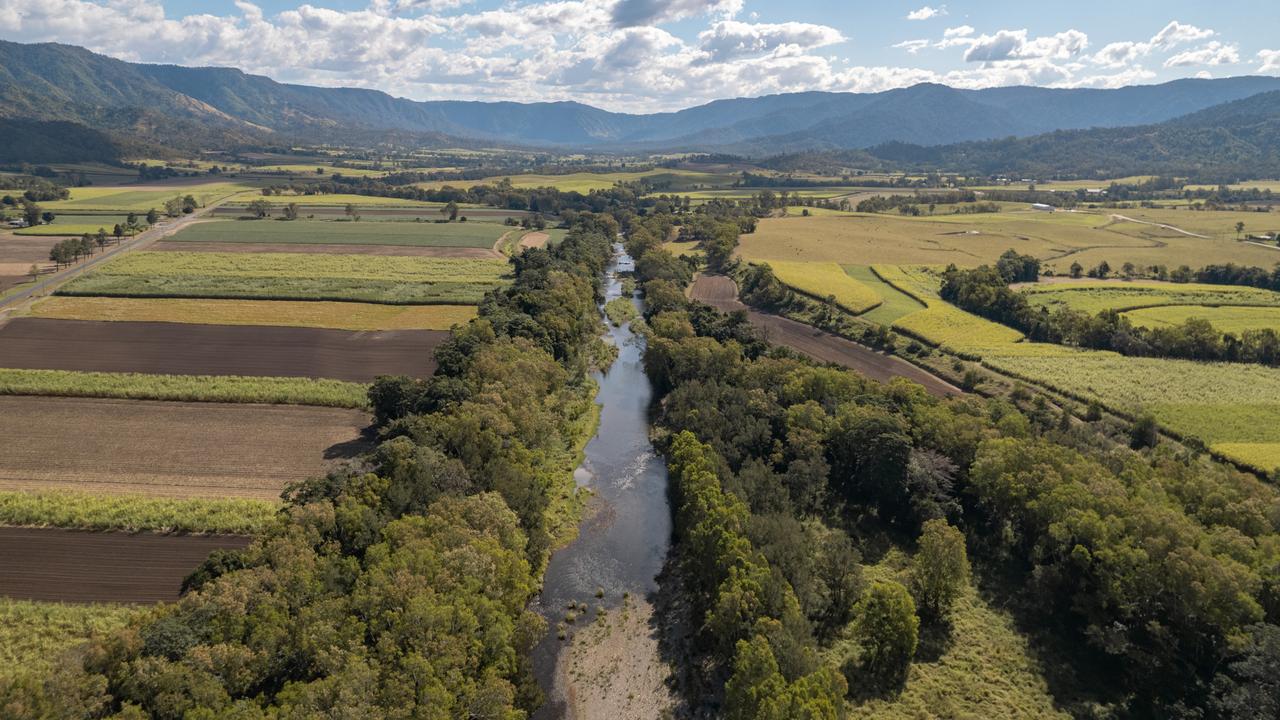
(131, 513)
(827, 279)
(186, 388)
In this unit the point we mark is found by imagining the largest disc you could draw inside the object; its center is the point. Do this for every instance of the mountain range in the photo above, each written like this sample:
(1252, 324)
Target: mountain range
(196, 108)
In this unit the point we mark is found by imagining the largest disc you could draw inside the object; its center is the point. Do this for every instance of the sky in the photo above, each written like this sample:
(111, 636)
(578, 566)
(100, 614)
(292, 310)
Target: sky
(660, 55)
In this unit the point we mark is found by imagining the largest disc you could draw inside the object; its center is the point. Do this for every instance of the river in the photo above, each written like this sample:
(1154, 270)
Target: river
(623, 540)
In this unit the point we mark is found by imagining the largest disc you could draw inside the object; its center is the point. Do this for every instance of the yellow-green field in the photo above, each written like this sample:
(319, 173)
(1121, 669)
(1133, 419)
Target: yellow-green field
(329, 170)
(894, 303)
(397, 280)
(1094, 296)
(584, 182)
(1066, 185)
(1227, 319)
(939, 323)
(1272, 185)
(820, 280)
(338, 199)
(143, 197)
(338, 315)
(1059, 239)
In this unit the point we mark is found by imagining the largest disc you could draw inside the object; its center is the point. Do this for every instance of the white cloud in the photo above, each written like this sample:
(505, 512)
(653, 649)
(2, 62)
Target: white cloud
(1014, 45)
(629, 13)
(1120, 54)
(1270, 61)
(955, 32)
(732, 39)
(926, 12)
(912, 46)
(1176, 33)
(1213, 53)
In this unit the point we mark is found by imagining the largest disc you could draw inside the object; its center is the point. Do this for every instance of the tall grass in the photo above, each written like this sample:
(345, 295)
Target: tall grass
(189, 388)
(92, 511)
(35, 635)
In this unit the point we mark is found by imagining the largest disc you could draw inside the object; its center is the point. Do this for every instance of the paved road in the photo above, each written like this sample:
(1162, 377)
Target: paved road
(138, 241)
(721, 293)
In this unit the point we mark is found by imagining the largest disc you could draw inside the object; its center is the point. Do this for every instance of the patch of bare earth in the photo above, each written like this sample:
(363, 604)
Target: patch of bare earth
(534, 240)
(327, 249)
(612, 670)
(170, 449)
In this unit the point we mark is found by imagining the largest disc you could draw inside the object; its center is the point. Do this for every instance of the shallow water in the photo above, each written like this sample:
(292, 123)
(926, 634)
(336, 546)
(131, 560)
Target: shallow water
(624, 538)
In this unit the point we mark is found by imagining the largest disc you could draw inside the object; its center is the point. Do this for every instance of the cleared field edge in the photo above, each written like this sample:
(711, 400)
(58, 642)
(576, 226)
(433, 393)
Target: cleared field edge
(134, 513)
(858, 299)
(185, 388)
(278, 313)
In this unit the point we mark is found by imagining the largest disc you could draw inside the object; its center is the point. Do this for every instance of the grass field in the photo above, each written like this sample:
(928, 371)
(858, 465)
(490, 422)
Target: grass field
(894, 303)
(986, 670)
(143, 197)
(1272, 185)
(293, 276)
(338, 199)
(190, 388)
(1094, 297)
(35, 636)
(134, 513)
(414, 234)
(585, 182)
(819, 280)
(74, 225)
(939, 323)
(337, 315)
(1059, 239)
(1227, 319)
(329, 170)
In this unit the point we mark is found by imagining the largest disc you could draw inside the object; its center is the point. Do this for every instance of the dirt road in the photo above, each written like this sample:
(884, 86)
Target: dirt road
(721, 293)
(75, 566)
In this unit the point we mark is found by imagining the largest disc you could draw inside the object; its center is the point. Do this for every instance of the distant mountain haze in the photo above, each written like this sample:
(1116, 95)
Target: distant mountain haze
(187, 107)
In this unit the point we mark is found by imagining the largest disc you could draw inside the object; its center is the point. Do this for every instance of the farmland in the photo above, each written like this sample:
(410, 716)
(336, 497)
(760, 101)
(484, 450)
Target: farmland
(293, 276)
(134, 513)
(894, 303)
(169, 449)
(584, 182)
(215, 350)
(339, 316)
(185, 388)
(822, 279)
(1094, 297)
(141, 198)
(339, 200)
(432, 234)
(1227, 319)
(75, 225)
(1059, 239)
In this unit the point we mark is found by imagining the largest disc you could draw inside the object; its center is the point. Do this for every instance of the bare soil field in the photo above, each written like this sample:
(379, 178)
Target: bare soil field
(192, 349)
(385, 250)
(170, 449)
(26, 250)
(534, 240)
(75, 566)
(720, 292)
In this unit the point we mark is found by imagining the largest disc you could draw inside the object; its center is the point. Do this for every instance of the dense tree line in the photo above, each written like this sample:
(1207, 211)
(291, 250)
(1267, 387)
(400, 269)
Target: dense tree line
(1163, 565)
(397, 586)
(985, 291)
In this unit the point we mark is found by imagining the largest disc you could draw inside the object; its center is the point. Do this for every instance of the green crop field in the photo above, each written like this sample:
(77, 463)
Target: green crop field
(134, 513)
(185, 388)
(585, 182)
(65, 224)
(1058, 239)
(329, 170)
(393, 280)
(336, 199)
(140, 198)
(1272, 185)
(34, 636)
(942, 324)
(1093, 296)
(819, 280)
(415, 234)
(895, 303)
(337, 315)
(1227, 319)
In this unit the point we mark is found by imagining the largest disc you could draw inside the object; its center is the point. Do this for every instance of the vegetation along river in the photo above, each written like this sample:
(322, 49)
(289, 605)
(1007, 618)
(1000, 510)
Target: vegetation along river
(623, 540)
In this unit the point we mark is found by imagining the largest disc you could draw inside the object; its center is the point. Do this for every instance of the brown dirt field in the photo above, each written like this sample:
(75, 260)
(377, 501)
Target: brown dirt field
(324, 249)
(194, 349)
(26, 249)
(75, 566)
(170, 449)
(534, 240)
(721, 293)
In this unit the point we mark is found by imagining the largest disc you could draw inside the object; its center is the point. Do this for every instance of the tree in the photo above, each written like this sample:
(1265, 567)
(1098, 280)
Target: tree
(101, 238)
(152, 216)
(173, 207)
(940, 569)
(34, 271)
(260, 208)
(1239, 229)
(887, 631)
(118, 232)
(131, 221)
(291, 211)
(31, 212)
(1144, 433)
(450, 210)
(47, 217)
(352, 213)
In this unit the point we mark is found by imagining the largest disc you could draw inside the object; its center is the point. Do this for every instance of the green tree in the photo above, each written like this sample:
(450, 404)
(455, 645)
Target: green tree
(31, 212)
(887, 631)
(291, 211)
(1239, 229)
(260, 208)
(152, 216)
(940, 569)
(118, 232)
(1077, 270)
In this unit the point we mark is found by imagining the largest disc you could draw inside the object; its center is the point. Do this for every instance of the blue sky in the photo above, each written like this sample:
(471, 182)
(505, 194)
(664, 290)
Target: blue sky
(649, 55)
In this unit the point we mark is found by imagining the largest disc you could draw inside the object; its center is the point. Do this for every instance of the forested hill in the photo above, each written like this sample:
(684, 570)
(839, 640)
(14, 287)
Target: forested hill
(1235, 139)
(170, 104)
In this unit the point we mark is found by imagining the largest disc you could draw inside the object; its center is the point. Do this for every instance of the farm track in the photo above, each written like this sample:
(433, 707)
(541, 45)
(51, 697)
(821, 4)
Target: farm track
(1170, 228)
(328, 249)
(721, 293)
(76, 566)
(170, 449)
(193, 349)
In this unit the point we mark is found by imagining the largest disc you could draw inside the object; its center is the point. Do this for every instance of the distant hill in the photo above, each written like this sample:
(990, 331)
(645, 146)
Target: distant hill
(1235, 139)
(187, 107)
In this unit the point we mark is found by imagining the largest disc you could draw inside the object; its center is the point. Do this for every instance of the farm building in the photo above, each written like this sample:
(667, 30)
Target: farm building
(1042, 207)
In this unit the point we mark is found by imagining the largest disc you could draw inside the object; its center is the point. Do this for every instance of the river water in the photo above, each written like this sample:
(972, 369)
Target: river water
(623, 540)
